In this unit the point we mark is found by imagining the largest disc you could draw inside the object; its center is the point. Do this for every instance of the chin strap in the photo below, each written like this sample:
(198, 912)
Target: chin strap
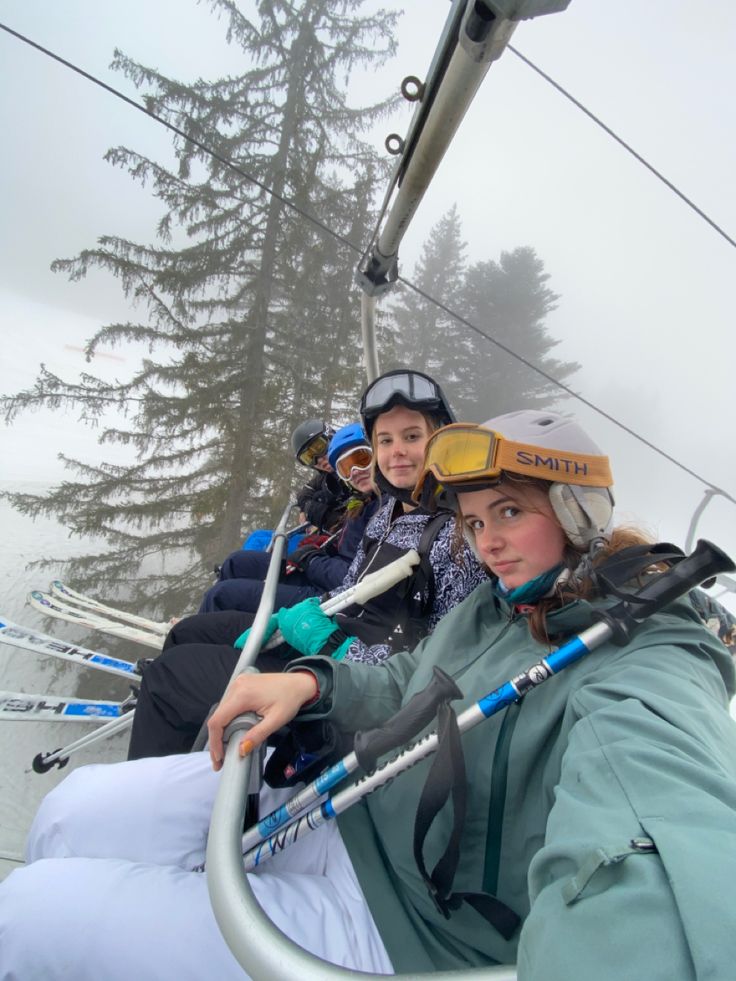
(402, 494)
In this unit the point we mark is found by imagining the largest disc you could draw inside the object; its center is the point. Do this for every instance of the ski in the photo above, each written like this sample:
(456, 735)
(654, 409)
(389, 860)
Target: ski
(39, 643)
(52, 607)
(22, 707)
(71, 596)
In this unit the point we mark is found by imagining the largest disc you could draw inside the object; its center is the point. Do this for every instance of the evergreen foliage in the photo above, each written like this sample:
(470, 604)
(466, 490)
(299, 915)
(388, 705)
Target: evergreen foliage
(507, 299)
(246, 308)
(249, 312)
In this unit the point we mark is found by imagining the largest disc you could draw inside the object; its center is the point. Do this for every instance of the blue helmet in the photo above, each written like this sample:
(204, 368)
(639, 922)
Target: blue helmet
(346, 439)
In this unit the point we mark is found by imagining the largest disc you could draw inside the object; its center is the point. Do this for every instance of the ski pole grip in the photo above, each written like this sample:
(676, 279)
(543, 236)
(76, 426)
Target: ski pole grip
(418, 712)
(703, 563)
(379, 581)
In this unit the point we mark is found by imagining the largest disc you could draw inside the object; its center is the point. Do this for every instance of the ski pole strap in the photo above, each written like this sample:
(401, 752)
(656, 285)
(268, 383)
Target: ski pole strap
(611, 574)
(407, 722)
(447, 778)
(705, 562)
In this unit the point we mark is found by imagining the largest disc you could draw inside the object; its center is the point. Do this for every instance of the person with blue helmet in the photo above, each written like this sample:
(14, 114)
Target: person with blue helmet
(322, 501)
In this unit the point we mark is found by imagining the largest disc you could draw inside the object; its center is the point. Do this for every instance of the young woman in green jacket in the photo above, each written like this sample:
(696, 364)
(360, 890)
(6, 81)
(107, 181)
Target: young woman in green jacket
(599, 835)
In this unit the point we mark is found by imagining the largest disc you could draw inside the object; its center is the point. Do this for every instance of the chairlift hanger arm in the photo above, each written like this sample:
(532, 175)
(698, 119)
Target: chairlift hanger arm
(475, 35)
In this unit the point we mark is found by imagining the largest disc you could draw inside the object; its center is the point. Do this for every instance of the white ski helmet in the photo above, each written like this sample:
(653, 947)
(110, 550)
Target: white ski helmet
(532, 443)
(585, 512)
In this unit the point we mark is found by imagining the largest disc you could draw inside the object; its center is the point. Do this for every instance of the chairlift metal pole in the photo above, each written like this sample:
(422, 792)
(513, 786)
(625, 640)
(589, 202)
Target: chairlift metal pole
(262, 949)
(474, 36)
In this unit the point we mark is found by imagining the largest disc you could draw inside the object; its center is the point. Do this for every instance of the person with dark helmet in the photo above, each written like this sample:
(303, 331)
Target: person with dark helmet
(400, 411)
(322, 499)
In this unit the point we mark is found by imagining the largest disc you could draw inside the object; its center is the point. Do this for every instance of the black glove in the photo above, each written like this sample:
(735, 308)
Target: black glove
(317, 508)
(302, 556)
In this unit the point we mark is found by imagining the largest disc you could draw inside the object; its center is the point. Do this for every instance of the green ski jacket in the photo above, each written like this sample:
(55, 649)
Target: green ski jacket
(601, 808)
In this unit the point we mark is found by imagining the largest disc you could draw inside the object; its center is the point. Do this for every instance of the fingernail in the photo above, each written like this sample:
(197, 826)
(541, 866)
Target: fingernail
(246, 747)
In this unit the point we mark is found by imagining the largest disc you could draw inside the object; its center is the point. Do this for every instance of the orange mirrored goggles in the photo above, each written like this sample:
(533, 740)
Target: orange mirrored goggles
(359, 458)
(309, 454)
(465, 453)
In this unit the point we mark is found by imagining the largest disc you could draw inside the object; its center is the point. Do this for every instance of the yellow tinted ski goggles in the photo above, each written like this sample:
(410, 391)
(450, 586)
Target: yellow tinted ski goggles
(359, 458)
(309, 454)
(465, 453)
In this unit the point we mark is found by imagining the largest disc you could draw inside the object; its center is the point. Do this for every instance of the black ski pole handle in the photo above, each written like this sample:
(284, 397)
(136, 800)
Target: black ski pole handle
(418, 712)
(703, 563)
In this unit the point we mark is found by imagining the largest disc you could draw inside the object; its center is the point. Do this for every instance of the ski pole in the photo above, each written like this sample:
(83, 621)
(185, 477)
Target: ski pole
(43, 762)
(616, 624)
(371, 585)
(400, 728)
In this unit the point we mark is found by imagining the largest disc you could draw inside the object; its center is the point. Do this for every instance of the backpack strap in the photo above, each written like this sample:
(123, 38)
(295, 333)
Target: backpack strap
(424, 576)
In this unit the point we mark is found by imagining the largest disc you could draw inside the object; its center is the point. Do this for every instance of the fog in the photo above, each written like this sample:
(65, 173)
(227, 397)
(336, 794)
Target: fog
(645, 284)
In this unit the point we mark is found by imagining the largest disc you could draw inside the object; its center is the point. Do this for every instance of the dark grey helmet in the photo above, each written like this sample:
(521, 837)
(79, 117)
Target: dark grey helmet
(310, 440)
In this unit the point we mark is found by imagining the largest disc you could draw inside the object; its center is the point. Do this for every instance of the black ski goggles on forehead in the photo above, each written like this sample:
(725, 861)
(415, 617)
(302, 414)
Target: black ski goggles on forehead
(313, 450)
(408, 387)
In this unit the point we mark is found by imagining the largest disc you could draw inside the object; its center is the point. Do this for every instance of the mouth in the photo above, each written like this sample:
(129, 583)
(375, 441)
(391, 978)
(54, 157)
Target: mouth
(500, 567)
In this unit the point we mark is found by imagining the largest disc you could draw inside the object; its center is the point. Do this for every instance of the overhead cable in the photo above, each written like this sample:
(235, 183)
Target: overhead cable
(637, 156)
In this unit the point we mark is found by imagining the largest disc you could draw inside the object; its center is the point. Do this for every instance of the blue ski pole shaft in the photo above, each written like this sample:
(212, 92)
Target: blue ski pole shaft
(706, 561)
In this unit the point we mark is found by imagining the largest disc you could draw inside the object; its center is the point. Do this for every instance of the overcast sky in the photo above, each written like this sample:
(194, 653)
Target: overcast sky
(646, 287)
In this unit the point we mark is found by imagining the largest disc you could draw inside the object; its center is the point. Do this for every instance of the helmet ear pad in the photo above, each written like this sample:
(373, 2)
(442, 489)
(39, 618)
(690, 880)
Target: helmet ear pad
(585, 513)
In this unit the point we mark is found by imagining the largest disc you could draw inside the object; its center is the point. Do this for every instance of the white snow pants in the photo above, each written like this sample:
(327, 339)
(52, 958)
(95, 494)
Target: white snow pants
(108, 893)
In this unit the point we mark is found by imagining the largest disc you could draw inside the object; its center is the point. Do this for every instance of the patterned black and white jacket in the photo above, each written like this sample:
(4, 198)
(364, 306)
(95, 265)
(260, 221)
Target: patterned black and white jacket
(390, 533)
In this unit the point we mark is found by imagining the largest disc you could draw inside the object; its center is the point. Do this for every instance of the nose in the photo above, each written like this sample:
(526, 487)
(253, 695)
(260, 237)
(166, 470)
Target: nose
(488, 540)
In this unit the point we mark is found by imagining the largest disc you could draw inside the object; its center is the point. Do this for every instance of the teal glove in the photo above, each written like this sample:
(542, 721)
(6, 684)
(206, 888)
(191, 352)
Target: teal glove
(310, 631)
(271, 627)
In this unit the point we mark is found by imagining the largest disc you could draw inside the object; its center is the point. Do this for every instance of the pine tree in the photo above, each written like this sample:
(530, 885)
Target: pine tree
(426, 336)
(246, 306)
(508, 300)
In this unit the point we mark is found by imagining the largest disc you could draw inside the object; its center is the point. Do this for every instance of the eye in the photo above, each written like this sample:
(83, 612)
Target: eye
(475, 524)
(509, 511)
